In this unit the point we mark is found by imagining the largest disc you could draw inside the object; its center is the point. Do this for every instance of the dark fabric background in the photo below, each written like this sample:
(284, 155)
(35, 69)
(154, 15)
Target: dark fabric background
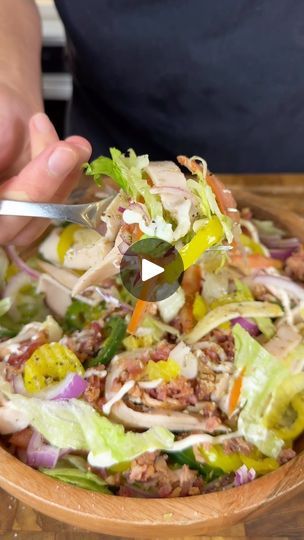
(219, 78)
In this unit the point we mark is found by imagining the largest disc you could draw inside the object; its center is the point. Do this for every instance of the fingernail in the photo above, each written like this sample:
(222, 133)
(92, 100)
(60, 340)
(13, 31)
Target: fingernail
(42, 123)
(80, 143)
(62, 161)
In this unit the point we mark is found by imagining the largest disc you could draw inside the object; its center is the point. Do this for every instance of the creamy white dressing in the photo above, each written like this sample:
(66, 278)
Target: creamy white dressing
(95, 372)
(106, 459)
(106, 409)
(148, 385)
(157, 227)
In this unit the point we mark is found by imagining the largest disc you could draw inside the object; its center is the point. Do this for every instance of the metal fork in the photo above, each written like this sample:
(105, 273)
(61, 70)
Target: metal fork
(88, 214)
(85, 214)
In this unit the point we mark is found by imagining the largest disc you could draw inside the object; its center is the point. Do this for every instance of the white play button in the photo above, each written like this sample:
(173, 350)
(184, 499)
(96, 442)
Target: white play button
(150, 270)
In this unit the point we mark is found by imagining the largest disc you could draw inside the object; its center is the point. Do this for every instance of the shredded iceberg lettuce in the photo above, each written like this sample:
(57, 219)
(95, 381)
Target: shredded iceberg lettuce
(75, 424)
(263, 376)
(127, 172)
(227, 312)
(208, 202)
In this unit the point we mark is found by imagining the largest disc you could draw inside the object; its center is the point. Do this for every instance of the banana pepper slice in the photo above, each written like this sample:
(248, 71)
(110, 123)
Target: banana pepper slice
(216, 457)
(49, 363)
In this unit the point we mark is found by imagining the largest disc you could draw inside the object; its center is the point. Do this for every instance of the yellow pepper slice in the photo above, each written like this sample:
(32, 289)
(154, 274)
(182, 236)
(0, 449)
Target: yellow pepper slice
(262, 465)
(285, 394)
(66, 240)
(251, 244)
(164, 369)
(120, 467)
(199, 307)
(133, 342)
(206, 237)
(291, 432)
(49, 363)
(216, 457)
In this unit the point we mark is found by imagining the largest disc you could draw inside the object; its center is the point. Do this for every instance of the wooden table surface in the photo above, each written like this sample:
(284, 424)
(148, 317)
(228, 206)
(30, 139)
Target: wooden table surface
(285, 521)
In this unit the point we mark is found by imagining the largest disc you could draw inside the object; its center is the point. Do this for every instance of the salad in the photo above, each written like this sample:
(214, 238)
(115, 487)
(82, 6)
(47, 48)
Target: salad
(195, 393)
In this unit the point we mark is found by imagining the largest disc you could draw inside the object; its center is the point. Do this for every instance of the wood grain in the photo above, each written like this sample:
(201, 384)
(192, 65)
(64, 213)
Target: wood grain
(283, 518)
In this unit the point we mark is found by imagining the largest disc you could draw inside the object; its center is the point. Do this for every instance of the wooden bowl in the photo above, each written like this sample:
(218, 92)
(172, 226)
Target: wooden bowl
(203, 514)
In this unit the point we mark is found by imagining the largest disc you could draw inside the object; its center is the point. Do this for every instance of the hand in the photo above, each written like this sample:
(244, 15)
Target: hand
(15, 113)
(50, 176)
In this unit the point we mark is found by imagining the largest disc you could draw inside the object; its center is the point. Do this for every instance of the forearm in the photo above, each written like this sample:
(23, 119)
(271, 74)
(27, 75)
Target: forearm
(20, 49)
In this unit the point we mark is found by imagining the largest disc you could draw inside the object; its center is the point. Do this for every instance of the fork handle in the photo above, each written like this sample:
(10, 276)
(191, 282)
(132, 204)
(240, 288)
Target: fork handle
(63, 212)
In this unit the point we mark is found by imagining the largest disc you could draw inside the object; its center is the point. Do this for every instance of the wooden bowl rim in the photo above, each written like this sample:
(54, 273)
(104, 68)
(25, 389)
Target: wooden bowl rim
(135, 517)
(141, 517)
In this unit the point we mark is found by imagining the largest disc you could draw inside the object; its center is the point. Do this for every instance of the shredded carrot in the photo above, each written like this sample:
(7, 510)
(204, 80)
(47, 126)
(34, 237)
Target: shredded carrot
(254, 260)
(137, 315)
(136, 233)
(235, 393)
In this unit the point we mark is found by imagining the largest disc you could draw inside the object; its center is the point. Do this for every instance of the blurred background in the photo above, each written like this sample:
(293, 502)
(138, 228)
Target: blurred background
(57, 85)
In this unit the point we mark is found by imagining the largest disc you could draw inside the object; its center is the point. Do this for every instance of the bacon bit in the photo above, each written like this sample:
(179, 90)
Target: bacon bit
(237, 445)
(85, 343)
(152, 470)
(94, 392)
(295, 266)
(26, 349)
(21, 439)
(161, 351)
(235, 393)
(179, 389)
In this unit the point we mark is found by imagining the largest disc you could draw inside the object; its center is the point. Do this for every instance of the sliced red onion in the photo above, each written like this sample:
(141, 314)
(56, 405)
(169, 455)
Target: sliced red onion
(15, 284)
(138, 207)
(280, 243)
(40, 454)
(279, 282)
(21, 264)
(281, 253)
(243, 476)
(18, 385)
(248, 325)
(72, 386)
(111, 299)
(121, 209)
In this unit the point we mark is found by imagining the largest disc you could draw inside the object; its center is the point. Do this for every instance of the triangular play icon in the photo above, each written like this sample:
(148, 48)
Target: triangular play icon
(150, 270)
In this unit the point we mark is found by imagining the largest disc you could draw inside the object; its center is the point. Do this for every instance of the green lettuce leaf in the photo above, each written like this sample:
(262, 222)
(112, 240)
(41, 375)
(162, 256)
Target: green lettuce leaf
(208, 202)
(128, 172)
(82, 479)
(75, 424)
(263, 375)
(268, 228)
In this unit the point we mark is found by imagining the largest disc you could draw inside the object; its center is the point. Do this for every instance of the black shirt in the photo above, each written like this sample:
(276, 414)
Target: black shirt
(223, 79)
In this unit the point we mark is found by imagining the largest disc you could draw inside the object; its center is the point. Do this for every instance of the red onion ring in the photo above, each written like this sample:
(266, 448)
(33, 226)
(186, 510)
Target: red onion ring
(279, 282)
(72, 386)
(249, 326)
(281, 253)
(13, 255)
(280, 243)
(40, 454)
